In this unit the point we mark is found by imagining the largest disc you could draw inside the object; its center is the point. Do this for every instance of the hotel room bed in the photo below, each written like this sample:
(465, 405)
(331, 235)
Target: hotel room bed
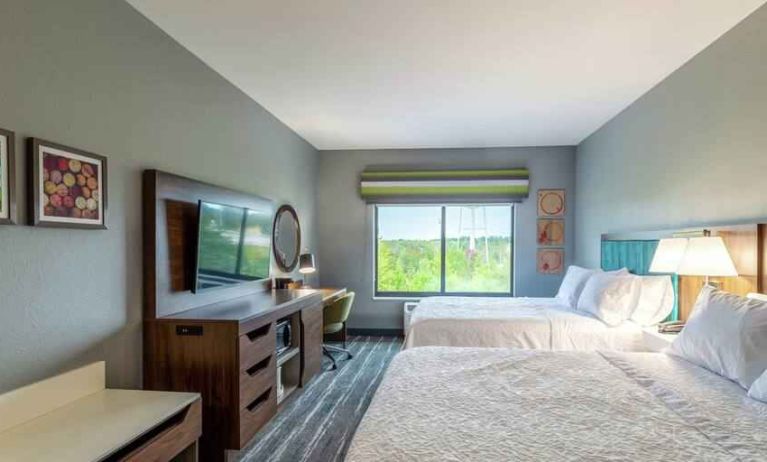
(534, 323)
(487, 404)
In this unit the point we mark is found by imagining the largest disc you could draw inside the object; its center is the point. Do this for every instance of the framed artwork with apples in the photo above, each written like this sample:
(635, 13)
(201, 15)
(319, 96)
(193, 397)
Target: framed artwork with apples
(7, 173)
(69, 186)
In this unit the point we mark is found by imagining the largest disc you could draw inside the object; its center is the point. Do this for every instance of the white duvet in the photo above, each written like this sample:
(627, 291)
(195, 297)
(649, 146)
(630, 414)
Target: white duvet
(532, 323)
(482, 404)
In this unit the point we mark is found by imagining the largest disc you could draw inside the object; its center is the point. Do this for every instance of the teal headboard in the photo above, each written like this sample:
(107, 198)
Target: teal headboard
(635, 255)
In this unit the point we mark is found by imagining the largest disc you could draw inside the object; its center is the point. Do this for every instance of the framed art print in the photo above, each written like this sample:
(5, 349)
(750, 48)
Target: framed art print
(69, 186)
(7, 173)
(551, 261)
(551, 232)
(551, 202)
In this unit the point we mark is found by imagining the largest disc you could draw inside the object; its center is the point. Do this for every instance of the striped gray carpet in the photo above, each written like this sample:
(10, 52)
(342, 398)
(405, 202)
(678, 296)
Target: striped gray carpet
(317, 425)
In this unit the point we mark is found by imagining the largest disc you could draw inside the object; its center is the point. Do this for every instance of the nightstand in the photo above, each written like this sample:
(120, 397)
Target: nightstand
(654, 340)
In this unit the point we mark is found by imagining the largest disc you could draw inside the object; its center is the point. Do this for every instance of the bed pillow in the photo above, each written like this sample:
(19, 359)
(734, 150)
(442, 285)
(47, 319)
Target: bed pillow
(656, 300)
(726, 334)
(573, 284)
(758, 389)
(610, 297)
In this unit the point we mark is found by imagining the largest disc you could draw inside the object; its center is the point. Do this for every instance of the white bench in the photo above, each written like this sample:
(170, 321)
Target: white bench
(74, 417)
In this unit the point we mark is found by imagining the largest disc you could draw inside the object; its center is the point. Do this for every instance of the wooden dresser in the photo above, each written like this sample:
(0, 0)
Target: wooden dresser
(220, 343)
(226, 352)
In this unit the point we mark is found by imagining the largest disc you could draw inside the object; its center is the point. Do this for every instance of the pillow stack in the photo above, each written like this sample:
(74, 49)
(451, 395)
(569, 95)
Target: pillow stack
(656, 300)
(616, 296)
(727, 335)
(573, 284)
(610, 297)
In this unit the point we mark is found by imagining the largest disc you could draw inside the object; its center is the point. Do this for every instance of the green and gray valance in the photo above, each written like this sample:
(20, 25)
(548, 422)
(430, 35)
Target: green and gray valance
(420, 186)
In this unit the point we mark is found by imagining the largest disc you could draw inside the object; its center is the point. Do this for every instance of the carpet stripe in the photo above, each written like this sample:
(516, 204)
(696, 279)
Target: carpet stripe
(319, 404)
(323, 427)
(318, 390)
(362, 405)
(318, 424)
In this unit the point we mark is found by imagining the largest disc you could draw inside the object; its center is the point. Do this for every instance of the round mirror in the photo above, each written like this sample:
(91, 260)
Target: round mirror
(286, 238)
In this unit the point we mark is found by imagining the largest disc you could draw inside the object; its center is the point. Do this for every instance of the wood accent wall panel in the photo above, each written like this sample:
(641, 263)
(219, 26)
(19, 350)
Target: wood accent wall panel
(170, 235)
(746, 246)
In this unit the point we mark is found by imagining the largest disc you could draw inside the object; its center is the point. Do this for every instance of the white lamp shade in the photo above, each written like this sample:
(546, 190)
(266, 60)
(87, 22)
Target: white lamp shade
(668, 255)
(707, 256)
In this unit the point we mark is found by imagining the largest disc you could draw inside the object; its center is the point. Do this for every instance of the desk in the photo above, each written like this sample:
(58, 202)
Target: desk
(72, 417)
(329, 296)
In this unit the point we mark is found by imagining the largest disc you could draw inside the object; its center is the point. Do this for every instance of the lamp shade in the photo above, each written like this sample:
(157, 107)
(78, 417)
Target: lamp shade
(668, 255)
(707, 256)
(306, 263)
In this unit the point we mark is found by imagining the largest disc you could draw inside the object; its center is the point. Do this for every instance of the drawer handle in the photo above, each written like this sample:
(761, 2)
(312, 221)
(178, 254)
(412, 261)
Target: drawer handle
(260, 332)
(259, 366)
(259, 401)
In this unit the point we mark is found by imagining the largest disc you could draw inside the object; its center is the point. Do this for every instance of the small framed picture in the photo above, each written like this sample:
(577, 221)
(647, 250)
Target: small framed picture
(69, 186)
(551, 232)
(551, 261)
(7, 174)
(551, 202)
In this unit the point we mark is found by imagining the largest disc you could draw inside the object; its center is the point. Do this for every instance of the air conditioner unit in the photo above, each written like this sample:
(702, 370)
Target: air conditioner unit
(409, 307)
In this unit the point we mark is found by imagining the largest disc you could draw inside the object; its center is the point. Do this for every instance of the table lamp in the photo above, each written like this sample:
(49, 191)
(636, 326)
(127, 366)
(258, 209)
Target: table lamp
(668, 255)
(707, 256)
(306, 265)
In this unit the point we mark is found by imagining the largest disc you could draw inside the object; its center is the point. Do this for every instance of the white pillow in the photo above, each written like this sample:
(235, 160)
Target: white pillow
(573, 284)
(656, 300)
(727, 335)
(758, 389)
(610, 297)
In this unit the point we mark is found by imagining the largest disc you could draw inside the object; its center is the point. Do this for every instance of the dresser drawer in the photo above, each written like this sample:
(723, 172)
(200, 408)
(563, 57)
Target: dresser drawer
(256, 414)
(257, 379)
(257, 345)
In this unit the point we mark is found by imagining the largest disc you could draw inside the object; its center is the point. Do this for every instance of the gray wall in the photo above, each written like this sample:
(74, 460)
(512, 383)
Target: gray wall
(346, 231)
(95, 74)
(691, 151)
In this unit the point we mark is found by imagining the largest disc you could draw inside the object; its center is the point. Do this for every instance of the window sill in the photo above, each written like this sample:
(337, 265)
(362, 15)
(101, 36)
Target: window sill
(384, 298)
(417, 298)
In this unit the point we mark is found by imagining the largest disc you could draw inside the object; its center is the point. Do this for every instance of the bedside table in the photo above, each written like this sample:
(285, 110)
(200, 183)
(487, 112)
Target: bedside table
(654, 340)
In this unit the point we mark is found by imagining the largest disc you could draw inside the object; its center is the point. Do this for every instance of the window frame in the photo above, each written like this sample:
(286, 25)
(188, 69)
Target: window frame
(443, 251)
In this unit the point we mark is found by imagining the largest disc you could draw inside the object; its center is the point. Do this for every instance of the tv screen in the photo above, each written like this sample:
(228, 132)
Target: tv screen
(233, 246)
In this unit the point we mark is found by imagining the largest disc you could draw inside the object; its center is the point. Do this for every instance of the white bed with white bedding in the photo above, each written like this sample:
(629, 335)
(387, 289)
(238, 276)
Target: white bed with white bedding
(702, 399)
(593, 310)
(486, 404)
(534, 323)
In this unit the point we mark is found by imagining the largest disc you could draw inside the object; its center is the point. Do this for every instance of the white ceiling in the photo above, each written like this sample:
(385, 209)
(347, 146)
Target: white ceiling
(349, 74)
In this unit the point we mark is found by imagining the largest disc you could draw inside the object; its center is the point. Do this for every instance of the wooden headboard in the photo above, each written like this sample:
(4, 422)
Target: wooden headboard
(747, 244)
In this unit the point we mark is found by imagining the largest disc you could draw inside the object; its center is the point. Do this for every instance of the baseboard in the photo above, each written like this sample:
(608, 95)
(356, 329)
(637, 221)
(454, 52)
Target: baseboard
(377, 332)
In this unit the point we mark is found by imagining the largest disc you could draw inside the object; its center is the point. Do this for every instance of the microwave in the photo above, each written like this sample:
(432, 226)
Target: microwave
(284, 336)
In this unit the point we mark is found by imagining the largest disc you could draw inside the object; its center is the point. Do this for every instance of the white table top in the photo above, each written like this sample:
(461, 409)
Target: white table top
(655, 341)
(92, 427)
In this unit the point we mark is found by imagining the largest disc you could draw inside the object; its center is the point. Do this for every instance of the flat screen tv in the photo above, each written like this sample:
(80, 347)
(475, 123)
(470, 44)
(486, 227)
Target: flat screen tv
(233, 245)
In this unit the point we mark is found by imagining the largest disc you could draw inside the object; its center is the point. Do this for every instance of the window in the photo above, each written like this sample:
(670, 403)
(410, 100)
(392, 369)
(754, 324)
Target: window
(444, 249)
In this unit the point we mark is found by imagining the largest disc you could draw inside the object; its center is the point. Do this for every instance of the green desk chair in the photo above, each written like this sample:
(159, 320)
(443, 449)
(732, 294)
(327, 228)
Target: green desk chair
(334, 321)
